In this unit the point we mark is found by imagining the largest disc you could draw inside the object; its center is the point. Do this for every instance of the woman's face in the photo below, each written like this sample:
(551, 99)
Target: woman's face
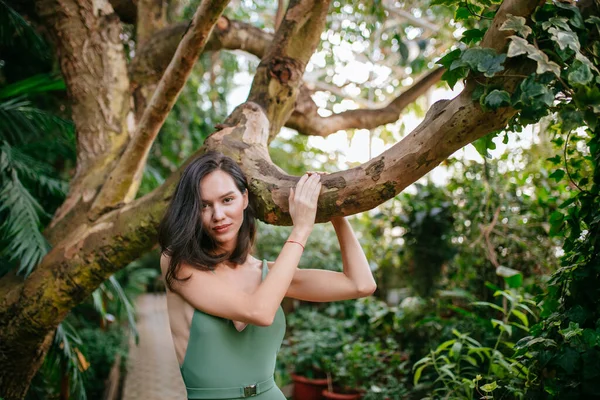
(223, 208)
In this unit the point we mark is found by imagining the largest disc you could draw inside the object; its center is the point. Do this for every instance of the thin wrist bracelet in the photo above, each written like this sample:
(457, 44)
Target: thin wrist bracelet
(293, 241)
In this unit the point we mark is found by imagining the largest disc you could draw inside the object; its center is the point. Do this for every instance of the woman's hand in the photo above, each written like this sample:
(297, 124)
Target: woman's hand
(303, 201)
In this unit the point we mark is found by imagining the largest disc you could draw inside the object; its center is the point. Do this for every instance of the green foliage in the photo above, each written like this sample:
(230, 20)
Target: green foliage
(562, 350)
(353, 342)
(427, 221)
(463, 367)
(24, 177)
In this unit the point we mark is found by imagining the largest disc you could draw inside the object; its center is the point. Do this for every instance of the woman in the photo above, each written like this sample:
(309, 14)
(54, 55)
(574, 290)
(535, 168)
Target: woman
(224, 305)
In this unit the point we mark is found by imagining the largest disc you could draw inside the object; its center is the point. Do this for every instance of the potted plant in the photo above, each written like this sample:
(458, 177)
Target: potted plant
(306, 351)
(354, 369)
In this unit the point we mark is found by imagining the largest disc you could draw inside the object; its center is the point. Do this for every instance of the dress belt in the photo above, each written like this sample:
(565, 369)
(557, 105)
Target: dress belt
(238, 392)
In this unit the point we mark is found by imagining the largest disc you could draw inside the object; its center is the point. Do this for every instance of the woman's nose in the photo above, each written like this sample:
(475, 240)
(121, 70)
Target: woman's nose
(218, 213)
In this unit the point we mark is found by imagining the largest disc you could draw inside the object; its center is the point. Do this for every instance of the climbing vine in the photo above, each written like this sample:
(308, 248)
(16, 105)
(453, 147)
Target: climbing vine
(560, 43)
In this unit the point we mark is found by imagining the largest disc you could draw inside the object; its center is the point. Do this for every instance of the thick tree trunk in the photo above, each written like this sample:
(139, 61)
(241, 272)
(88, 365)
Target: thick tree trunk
(92, 61)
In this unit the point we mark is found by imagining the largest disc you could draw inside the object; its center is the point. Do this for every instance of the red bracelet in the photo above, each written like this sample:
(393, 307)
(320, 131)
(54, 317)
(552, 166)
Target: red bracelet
(293, 241)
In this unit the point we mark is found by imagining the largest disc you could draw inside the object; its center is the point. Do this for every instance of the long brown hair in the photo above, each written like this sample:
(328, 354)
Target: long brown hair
(181, 235)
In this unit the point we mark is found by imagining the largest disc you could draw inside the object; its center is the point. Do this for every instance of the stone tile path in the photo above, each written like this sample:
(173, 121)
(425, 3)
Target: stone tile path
(152, 369)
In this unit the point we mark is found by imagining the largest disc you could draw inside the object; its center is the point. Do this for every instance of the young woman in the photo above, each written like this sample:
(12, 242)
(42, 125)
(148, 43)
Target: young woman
(224, 305)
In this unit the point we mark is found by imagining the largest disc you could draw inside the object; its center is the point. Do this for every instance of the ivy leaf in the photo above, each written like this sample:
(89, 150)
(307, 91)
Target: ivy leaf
(483, 144)
(462, 13)
(570, 118)
(572, 331)
(496, 99)
(568, 359)
(557, 176)
(520, 46)
(452, 76)
(490, 387)
(517, 24)
(559, 22)
(569, 40)
(544, 64)
(579, 73)
(481, 60)
(565, 39)
(577, 20)
(471, 36)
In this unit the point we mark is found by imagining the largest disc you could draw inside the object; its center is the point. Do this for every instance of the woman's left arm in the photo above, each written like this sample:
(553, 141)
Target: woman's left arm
(322, 286)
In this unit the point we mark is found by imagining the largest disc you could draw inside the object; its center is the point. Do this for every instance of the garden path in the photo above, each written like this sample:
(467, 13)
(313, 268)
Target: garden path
(152, 369)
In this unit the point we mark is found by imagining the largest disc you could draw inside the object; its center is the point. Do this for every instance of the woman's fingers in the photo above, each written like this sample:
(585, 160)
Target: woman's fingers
(316, 192)
(305, 189)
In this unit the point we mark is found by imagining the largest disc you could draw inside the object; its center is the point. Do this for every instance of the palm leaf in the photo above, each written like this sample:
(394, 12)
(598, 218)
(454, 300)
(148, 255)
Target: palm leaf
(21, 228)
(35, 84)
(39, 173)
(129, 310)
(64, 351)
(16, 31)
(23, 123)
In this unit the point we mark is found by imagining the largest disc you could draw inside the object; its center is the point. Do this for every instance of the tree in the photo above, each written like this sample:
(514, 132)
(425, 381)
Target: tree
(101, 226)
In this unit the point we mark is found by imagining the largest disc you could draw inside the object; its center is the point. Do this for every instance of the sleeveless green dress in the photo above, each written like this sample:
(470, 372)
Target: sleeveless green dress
(222, 363)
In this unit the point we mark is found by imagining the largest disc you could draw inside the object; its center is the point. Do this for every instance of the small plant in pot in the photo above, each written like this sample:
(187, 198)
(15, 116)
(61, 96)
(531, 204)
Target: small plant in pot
(352, 370)
(306, 353)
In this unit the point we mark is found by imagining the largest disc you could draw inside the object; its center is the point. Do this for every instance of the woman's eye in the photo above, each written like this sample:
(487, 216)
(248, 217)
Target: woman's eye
(228, 200)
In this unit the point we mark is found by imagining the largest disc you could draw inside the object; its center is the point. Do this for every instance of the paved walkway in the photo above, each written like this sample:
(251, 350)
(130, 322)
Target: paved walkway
(152, 369)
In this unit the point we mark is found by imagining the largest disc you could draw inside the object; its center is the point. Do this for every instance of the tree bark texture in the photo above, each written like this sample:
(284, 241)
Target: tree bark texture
(87, 253)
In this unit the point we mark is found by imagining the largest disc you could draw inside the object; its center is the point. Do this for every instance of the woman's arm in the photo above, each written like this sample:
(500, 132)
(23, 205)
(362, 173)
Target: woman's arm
(213, 294)
(356, 266)
(322, 286)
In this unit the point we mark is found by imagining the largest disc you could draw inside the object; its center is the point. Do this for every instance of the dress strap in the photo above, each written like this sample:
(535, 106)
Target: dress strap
(265, 269)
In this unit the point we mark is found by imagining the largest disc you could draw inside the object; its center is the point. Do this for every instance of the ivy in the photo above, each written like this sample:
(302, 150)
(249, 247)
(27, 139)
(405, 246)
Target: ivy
(562, 352)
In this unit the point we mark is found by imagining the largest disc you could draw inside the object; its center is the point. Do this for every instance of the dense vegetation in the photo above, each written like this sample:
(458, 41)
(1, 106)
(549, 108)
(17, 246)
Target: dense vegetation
(488, 282)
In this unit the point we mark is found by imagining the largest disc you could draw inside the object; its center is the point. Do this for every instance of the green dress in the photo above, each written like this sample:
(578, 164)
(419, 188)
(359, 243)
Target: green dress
(222, 363)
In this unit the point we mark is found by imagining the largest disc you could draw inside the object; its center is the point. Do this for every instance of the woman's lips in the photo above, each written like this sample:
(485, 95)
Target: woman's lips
(222, 228)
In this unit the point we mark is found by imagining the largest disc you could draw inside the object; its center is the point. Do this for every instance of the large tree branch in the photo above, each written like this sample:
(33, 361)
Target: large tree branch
(153, 58)
(278, 76)
(306, 120)
(448, 126)
(123, 182)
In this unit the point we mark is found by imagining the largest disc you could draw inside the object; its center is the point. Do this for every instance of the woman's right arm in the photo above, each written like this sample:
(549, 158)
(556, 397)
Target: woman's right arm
(210, 293)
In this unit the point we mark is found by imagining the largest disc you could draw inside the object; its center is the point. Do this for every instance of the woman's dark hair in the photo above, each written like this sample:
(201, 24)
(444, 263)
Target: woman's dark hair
(181, 235)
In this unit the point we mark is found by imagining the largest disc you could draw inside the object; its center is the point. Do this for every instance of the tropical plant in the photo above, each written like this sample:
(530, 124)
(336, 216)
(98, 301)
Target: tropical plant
(463, 367)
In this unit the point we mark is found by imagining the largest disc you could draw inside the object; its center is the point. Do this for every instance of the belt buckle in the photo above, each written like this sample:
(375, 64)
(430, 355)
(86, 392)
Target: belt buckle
(250, 391)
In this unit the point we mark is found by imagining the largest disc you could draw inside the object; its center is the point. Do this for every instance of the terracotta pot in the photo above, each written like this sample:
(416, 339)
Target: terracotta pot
(308, 389)
(341, 396)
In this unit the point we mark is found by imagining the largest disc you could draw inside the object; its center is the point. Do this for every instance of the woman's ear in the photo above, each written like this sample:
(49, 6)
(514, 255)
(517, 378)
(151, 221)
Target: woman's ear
(245, 195)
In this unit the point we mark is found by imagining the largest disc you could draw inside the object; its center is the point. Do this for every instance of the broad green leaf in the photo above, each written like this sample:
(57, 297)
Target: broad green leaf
(488, 304)
(418, 374)
(521, 316)
(512, 277)
(577, 19)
